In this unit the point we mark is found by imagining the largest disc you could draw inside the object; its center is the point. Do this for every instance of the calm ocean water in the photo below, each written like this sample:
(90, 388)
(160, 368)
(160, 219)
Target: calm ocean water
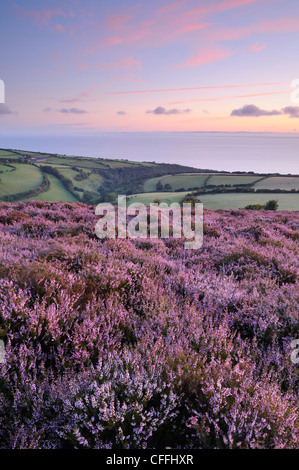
(217, 151)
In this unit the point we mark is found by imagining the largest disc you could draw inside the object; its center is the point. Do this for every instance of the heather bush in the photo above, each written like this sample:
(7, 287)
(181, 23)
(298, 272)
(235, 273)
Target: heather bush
(141, 343)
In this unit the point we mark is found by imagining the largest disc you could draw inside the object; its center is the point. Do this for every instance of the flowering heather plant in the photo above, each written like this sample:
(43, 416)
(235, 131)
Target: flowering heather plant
(141, 343)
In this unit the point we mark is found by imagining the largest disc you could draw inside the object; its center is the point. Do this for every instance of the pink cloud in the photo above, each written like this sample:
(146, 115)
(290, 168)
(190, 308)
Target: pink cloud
(221, 98)
(163, 25)
(89, 92)
(82, 97)
(214, 52)
(126, 63)
(223, 87)
(117, 21)
(60, 28)
(269, 26)
(256, 47)
(82, 67)
(43, 16)
(171, 7)
(71, 101)
(211, 54)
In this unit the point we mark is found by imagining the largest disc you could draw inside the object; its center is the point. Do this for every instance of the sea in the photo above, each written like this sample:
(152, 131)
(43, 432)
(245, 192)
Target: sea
(242, 151)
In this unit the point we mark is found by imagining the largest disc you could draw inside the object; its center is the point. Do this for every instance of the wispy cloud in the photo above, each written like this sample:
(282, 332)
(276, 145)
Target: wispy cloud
(48, 18)
(164, 24)
(292, 111)
(126, 63)
(256, 47)
(160, 110)
(39, 16)
(4, 109)
(206, 56)
(72, 111)
(221, 98)
(200, 88)
(82, 97)
(252, 110)
(66, 110)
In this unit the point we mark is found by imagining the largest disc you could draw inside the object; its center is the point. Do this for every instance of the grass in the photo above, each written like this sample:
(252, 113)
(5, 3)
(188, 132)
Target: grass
(34, 154)
(7, 153)
(118, 164)
(24, 178)
(92, 183)
(5, 168)
(80, 163)
(147, 198)
(55, 193)
(183, 180)
(278, 182)
(198, 180)
(288, 202)
(234, 180)
(12, 157)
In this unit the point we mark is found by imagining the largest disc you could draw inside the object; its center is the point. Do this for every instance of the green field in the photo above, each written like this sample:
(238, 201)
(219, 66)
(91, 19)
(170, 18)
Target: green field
(198, 180)
(288, 202)
(6, 153)
(148, 198)
(117, 164)
(234, 180)
(55, 193)
(92, 183)
(24, 178)
(35, 155)
(85, 162)
(124, 177)
(185, 181)
(5, 168)
(278, 182)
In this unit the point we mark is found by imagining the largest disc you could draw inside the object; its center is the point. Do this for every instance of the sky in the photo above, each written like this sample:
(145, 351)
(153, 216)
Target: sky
(73, 66)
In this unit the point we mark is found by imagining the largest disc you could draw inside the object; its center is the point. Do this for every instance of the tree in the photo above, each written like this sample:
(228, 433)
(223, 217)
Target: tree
(159, 186)
(271, 205)
(110, 197)
(190, 200)
(254, 207)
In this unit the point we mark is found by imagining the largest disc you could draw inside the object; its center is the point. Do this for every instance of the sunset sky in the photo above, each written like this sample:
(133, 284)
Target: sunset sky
(192, 65)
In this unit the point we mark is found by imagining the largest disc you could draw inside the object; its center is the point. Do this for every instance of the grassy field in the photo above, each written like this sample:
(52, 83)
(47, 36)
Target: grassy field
(24, 178)
(5, 168)
(92, 183)
(198, 180)
(288, 202)
(147, 198)
(80, 163)
(219, 180)
(278, 182)
(136, 177)
(117, 164)
(55, 193)
(6, 153)
(185, 181)
(35, 155)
